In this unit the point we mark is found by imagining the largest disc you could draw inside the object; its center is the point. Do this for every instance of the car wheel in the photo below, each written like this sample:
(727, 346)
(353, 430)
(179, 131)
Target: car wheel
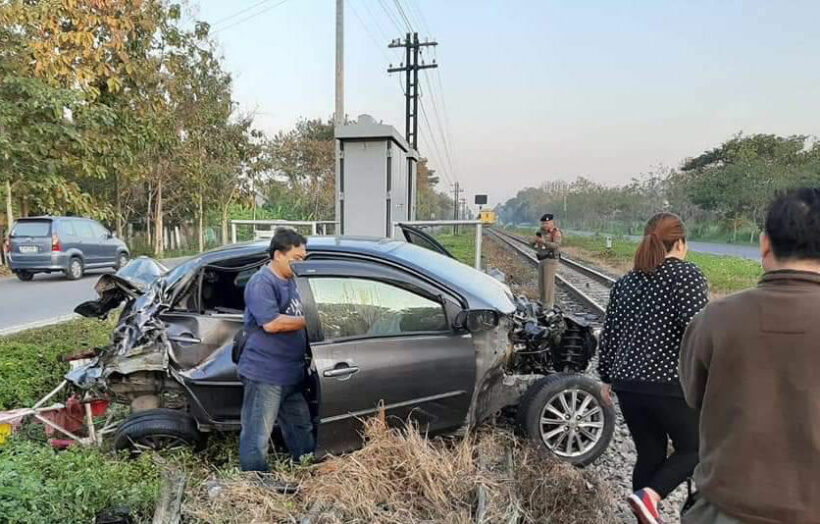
(566, 414)
(122, 260)
(158, 430)
(25, 276)
(75, 269)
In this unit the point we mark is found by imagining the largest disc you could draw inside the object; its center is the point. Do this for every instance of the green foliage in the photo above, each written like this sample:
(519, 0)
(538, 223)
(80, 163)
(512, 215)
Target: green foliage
(304, 162)
(39, 485)
(738, 179)
(461, 245)
(721, 194)
(725, 274)
(29, 365)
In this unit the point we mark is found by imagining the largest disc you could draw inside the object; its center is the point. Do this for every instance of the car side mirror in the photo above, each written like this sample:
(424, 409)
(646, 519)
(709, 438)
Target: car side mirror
(477, 320)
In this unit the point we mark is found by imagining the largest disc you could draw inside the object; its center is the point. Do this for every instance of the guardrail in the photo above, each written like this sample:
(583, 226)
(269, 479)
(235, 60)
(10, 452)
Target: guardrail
(314, 226)
(478, 231)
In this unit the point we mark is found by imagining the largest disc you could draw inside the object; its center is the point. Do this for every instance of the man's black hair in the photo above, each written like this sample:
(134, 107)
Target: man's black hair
(284, 240)
(793, 224)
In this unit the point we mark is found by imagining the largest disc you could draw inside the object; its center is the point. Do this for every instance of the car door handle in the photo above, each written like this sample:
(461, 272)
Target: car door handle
(340, 370)
(185, 339)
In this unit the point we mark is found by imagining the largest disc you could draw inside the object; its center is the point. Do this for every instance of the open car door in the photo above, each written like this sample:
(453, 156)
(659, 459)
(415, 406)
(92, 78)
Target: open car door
(416, 236)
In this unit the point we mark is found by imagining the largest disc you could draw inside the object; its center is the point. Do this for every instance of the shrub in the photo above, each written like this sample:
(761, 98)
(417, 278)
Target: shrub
(29, 361)
(39, 485)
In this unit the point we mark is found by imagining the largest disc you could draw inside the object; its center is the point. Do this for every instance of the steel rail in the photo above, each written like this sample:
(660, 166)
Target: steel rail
(516, 244)
(574, 264)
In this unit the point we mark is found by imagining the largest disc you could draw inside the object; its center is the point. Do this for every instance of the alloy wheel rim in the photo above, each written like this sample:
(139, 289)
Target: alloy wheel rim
(571, 423)
(75, 269)
(157, 442)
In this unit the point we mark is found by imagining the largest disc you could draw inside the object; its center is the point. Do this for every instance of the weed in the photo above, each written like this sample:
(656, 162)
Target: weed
(39, 485)
(29, 361)
(725, 274)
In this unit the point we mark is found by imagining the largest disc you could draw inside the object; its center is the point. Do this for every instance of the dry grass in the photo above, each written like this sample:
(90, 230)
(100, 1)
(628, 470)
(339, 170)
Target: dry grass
(400, 476)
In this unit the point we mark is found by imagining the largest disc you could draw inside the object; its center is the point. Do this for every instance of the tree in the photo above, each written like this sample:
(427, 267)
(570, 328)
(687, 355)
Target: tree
(738, 179)
(304, 166)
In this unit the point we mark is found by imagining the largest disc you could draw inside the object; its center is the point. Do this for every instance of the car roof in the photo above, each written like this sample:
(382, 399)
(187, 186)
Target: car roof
(479, 289)
(47, 217)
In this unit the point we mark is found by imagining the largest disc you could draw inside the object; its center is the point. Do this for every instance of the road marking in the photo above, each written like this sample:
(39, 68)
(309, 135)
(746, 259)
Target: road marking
(38, 324)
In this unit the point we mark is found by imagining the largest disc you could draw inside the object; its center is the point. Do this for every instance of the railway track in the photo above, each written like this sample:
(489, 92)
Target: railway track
(587, 285)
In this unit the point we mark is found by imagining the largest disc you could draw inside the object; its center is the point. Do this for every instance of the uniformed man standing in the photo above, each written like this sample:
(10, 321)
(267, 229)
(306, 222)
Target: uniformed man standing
(547, 245)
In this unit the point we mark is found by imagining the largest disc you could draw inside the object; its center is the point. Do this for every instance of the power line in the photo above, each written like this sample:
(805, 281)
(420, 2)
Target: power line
(419, 17)
(245, 19)
(434, 148)
(373, 38)
(442, 132)
(390, 15)
(403, 15)
(241, 11)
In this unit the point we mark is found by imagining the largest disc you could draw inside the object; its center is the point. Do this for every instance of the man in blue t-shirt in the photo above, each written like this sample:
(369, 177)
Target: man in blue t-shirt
(272, 365)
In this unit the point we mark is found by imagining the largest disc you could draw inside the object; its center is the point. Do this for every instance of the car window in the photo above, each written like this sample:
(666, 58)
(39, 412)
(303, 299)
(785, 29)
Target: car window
(67, 228)
(99, 230)
(353, 307)
(84, 229)
(32, 228)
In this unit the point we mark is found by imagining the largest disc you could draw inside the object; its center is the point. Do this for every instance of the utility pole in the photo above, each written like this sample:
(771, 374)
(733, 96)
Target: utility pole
(411, 68)
(339, 116)
(456, 192)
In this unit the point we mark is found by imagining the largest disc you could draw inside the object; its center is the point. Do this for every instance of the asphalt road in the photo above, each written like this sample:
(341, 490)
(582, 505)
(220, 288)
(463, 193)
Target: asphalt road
(47, 299)
(714, 248)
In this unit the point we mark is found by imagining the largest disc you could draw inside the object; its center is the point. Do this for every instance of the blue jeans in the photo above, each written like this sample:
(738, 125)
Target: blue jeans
(261, 404)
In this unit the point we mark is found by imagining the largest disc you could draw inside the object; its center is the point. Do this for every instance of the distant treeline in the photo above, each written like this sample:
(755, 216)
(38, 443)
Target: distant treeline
(723, 192)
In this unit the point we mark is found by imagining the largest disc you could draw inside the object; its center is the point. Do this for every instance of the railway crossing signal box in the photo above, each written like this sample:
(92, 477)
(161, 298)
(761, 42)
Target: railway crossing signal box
(375, 178)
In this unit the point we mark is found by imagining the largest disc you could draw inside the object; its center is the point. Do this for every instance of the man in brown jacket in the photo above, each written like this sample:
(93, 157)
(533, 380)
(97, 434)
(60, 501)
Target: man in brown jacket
(751, 364)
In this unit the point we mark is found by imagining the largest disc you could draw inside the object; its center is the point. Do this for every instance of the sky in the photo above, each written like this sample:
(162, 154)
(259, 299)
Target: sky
(532, 91)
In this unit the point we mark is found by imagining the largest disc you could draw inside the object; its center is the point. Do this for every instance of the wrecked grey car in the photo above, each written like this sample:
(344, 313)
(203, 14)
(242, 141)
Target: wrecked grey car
(389, 323)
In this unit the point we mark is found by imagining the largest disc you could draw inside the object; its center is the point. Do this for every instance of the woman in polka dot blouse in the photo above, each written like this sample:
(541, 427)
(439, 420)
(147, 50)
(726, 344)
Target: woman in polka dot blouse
(649, 309)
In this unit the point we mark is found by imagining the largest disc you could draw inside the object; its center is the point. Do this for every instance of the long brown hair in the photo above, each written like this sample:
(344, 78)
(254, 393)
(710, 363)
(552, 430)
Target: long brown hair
(659, 237)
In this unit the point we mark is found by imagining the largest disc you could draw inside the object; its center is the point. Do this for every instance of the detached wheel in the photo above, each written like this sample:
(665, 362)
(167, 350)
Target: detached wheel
(25, 276)
(566, 414)
(75, 269)
(157, 430)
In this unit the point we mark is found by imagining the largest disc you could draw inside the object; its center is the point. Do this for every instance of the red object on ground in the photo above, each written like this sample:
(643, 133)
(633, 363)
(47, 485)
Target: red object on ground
(61, 443)
(72, 417)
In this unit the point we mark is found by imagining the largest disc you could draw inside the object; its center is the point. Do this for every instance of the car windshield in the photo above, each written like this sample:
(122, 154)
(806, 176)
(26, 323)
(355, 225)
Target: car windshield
(479, 284)
(32, 228)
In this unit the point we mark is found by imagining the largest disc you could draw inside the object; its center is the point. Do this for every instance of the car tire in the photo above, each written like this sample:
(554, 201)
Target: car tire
(74, 271)
(25, 276)
(566, 414)
(158, 429)
(122, 260)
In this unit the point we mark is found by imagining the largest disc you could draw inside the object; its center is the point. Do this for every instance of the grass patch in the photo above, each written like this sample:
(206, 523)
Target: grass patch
(29, 361)
(725, 274)
(39, 485)
(462, 245)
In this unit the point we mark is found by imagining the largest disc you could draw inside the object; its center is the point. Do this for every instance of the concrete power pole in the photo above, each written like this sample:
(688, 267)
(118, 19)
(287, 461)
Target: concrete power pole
(411, 68)
(339, 116)
(456, 192)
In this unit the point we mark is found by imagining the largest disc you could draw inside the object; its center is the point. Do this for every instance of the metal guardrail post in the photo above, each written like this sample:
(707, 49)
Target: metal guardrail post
(313, 228)
(233, 233)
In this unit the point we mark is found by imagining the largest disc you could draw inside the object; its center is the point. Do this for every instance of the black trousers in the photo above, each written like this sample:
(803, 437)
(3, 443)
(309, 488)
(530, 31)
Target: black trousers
(653, 421)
